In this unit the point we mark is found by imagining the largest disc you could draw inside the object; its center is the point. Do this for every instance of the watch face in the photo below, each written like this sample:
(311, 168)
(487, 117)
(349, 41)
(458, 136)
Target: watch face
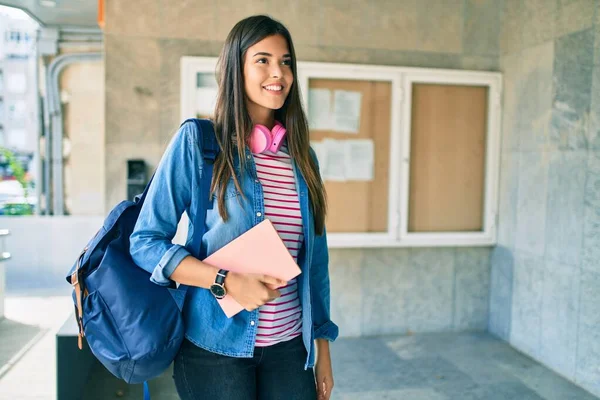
(218, 291)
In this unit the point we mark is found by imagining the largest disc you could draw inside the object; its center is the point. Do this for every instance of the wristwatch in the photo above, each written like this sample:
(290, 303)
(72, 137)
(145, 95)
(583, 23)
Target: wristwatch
(218, 288)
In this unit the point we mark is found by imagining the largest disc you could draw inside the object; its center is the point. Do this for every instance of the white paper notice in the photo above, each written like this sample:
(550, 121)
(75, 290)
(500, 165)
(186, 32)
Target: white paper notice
(360, 157)
(319, 109)
(206, 100)
(347, 111)
(335, 161)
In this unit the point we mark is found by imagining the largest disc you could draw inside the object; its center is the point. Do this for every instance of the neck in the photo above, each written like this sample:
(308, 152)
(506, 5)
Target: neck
(262, 116)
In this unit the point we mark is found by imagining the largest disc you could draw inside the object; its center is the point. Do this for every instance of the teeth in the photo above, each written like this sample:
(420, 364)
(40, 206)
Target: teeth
(273, 87)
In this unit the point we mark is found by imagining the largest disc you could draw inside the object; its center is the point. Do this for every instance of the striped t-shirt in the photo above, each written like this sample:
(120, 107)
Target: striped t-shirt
(281, 319)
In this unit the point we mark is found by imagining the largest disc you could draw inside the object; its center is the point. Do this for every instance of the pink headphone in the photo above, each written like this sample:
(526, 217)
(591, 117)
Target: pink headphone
(262, 139)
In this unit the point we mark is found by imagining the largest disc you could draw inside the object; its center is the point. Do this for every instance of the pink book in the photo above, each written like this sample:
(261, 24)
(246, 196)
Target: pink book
(260, 250)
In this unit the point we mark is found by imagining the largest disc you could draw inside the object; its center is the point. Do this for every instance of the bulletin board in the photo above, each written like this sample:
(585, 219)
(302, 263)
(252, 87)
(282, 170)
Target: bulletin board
(357, 203)
(409, 156)
(447, 164)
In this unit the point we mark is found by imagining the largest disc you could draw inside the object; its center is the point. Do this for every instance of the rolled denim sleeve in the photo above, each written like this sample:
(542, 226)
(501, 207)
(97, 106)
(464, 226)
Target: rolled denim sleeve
(169, 195)
(323, 327)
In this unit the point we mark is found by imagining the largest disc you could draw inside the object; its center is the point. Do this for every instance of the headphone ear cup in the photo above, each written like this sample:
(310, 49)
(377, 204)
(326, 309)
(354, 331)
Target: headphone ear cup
(260, 139)
(279, 133)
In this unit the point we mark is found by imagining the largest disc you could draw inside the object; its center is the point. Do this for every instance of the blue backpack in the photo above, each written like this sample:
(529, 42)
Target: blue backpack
(134, 327)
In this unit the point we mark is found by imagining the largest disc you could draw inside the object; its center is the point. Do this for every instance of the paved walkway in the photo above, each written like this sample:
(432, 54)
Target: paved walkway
(465, 366)
(448, 366)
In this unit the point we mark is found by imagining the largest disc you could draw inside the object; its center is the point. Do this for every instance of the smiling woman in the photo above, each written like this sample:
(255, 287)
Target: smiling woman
(267, 351)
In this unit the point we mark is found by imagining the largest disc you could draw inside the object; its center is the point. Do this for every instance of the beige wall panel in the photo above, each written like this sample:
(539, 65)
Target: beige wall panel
(133, 18)
(511, 38)
(230, 12)
(132, 90)
(440, 26)
(116, 166)
(302, 18)
(189, 19)
(82, 86)
(366, 24)
(394, 25)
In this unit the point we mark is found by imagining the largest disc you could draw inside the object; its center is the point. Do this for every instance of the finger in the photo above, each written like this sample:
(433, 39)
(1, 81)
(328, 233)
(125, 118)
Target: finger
(273, 294)
(329, 383)
(320, 394)
(272, 281)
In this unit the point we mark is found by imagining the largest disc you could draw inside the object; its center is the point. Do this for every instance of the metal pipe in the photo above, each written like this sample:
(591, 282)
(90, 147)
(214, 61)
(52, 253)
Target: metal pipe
(47, 145)
(80, 38)
(79, 45)
(38, 126)
(55, 112)
(75, 29)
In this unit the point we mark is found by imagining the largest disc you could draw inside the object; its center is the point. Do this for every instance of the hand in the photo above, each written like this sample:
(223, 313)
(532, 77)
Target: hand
(323, 371)
(252, 290)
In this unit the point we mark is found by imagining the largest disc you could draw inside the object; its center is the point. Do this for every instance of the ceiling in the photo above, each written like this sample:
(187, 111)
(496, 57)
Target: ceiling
(75, 13)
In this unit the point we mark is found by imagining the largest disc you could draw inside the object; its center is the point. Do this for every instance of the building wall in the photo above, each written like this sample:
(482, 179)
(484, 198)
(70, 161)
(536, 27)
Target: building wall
(374, 291)
(545, 272)
(82, 92)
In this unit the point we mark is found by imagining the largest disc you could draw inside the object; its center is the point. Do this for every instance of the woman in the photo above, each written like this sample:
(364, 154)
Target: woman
(268, 350)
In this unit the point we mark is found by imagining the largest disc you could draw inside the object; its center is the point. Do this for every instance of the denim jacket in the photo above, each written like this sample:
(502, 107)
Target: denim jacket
(175, 189)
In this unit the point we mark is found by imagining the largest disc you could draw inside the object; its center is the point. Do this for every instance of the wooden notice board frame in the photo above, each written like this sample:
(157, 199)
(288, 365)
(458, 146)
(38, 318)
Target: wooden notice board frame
(392, 224)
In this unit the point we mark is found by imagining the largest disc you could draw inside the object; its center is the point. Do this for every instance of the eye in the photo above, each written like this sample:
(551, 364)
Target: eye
(287, 62)
(262, 60)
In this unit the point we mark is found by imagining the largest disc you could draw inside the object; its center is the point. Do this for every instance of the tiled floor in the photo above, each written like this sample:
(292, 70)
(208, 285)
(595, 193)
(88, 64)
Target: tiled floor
(465, 366)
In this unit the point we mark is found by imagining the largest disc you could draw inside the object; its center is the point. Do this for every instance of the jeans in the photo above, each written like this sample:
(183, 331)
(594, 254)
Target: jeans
(274, 373)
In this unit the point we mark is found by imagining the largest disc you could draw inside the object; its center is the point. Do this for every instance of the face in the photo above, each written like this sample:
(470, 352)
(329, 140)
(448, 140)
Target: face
(268, 76)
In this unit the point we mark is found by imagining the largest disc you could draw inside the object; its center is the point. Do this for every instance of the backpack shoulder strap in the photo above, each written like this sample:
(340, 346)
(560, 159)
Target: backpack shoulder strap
(210, 150)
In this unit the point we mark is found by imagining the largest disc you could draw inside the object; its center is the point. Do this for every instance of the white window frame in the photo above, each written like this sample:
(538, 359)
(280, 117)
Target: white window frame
(492, 157)
(401, 79)
(190, 66)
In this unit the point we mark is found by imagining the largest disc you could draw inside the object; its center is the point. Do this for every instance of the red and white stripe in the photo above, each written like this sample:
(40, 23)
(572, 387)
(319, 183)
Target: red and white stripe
(281, 319)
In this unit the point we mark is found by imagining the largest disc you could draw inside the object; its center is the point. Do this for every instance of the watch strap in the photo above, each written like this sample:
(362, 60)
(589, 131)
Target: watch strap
(220, 278)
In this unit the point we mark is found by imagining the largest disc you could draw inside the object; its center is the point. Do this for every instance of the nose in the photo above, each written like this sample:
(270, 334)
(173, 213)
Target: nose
(275, 71)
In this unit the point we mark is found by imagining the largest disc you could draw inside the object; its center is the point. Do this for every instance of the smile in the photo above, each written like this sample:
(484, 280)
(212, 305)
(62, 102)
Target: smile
(274, 88)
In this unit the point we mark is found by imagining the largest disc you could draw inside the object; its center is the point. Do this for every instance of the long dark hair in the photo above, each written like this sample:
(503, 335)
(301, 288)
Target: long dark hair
(233, 125)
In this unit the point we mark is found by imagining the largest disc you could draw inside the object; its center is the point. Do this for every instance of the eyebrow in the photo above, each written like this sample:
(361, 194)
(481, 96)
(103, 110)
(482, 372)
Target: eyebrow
(262, 53)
